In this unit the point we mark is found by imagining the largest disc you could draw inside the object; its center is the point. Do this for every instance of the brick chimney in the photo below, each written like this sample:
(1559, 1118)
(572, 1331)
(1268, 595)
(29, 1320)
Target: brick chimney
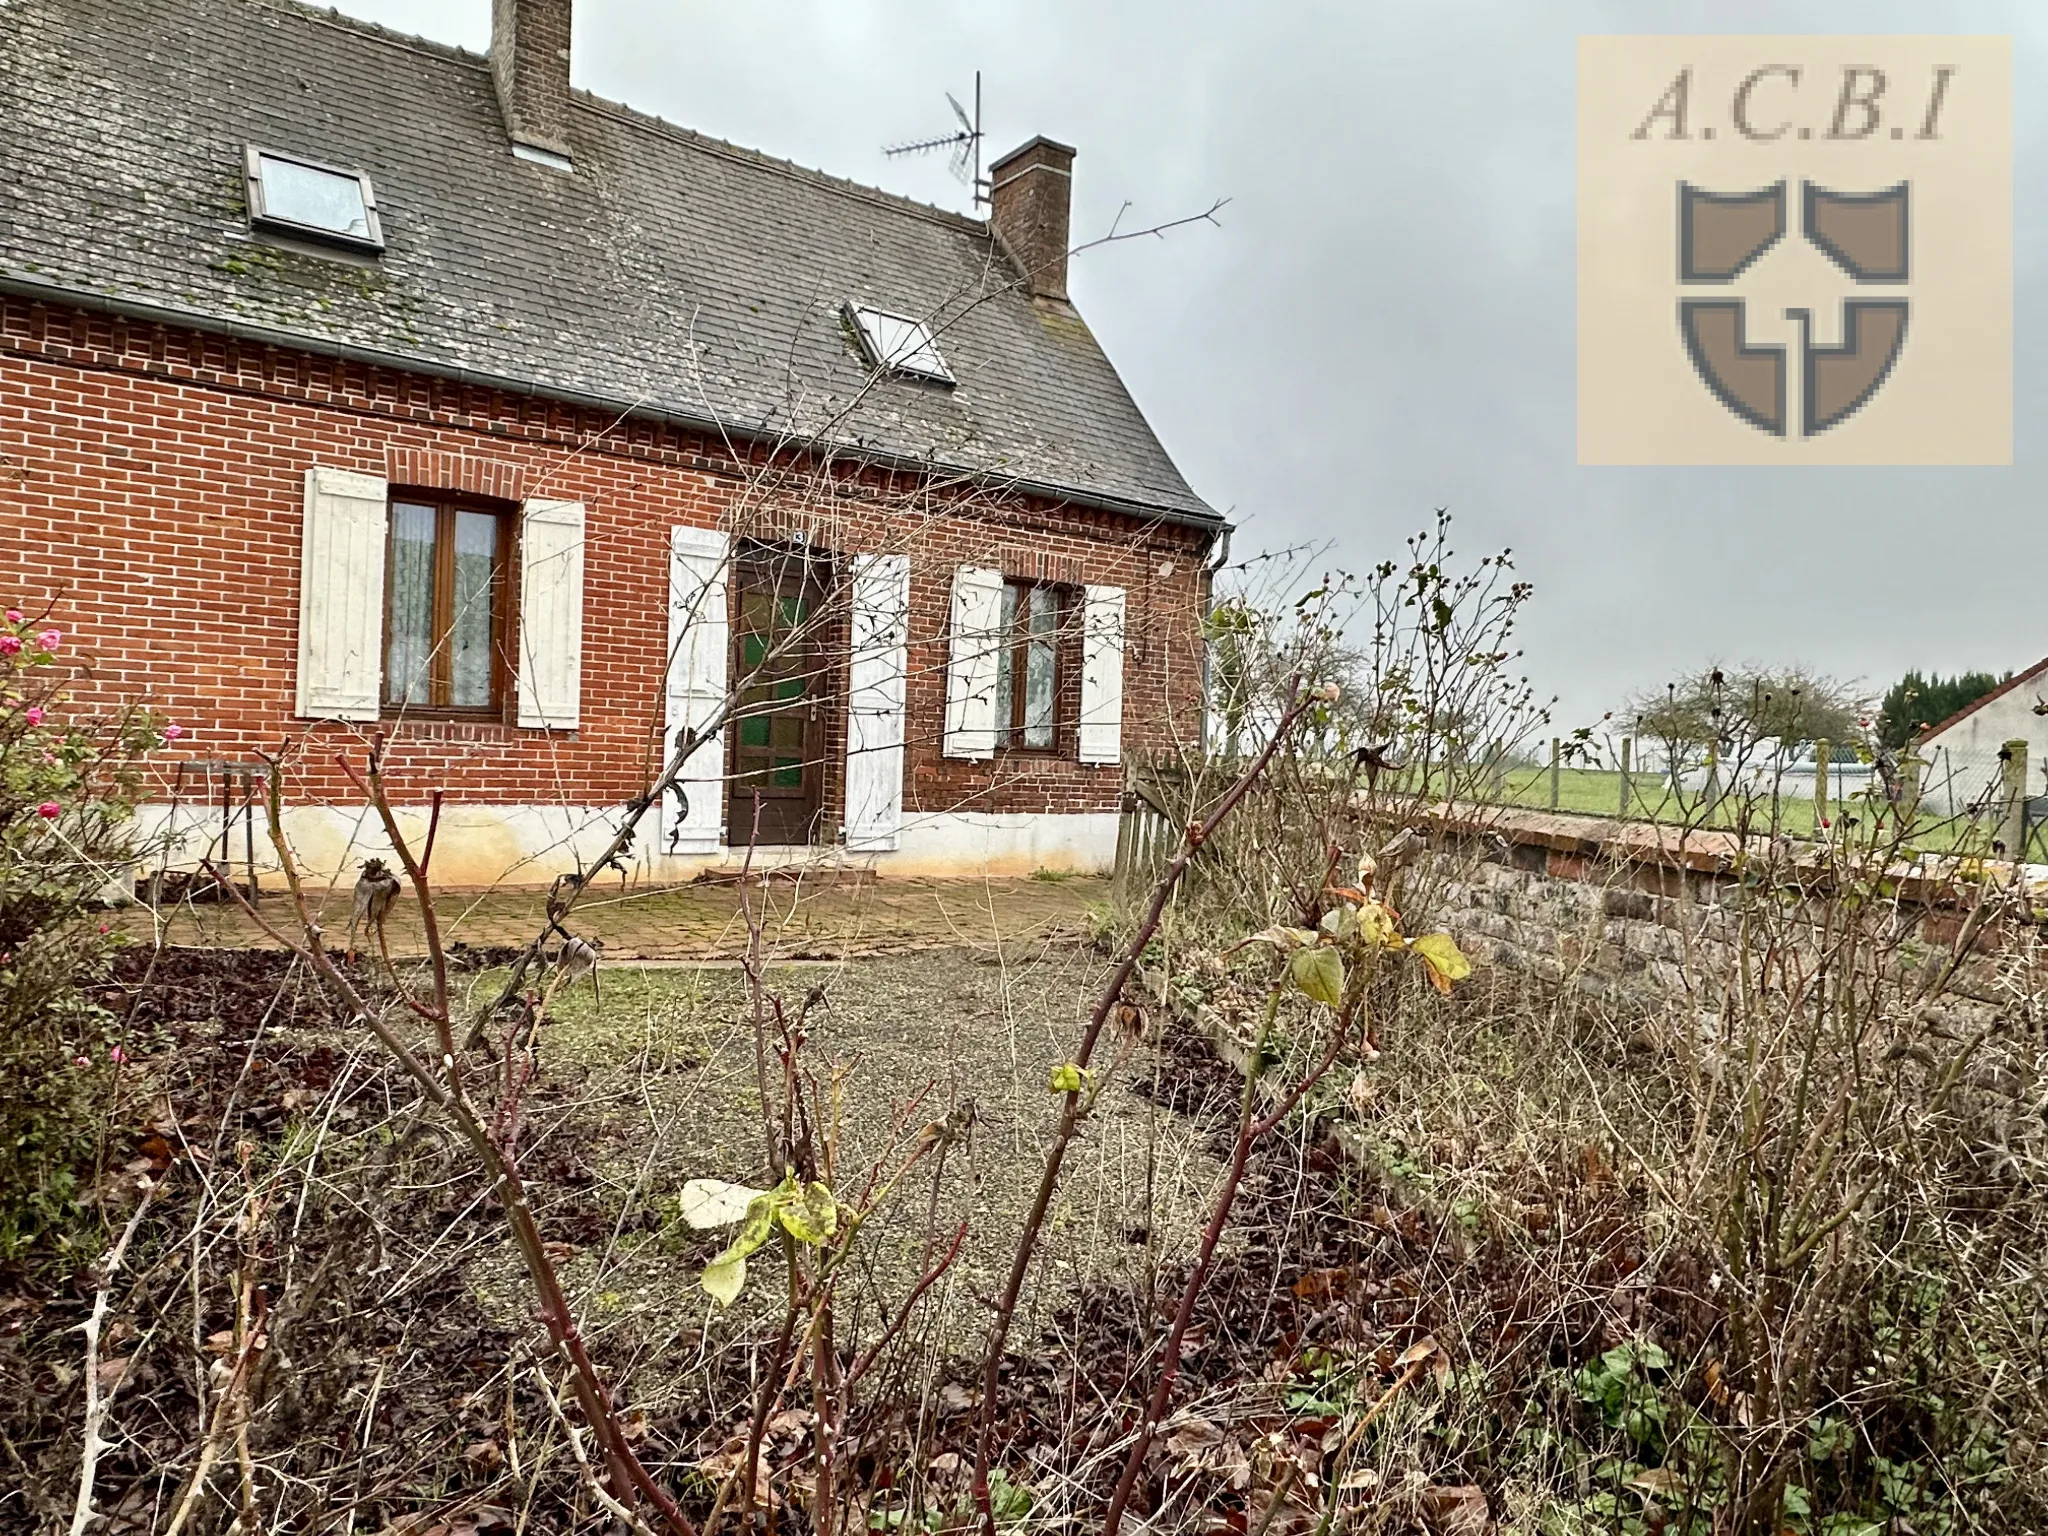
(1030, 192)
(530, 67)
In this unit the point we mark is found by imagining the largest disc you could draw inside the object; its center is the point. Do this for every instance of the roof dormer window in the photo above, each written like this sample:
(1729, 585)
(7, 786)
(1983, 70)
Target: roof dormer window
(302, 197)
(898, 344)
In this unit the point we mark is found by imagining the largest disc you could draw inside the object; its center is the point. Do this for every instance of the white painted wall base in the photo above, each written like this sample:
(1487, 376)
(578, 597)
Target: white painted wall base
(480, 845)
(976, 842)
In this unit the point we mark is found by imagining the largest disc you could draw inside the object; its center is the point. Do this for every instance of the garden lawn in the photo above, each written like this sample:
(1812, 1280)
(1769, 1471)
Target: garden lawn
(652, 1081)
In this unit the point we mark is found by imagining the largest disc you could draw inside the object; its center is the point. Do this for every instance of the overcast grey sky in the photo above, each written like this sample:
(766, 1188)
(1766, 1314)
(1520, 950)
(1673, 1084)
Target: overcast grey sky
(1384, 322)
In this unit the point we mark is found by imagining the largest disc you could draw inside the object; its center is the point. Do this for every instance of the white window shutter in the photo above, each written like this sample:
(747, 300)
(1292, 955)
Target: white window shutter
(341, 596)
(551, 614)
(1102, 675)
(699, 659)
(874, 707)
(971, 663)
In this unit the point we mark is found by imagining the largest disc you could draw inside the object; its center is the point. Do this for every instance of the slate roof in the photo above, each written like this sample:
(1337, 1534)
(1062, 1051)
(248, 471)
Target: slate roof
(670, 270)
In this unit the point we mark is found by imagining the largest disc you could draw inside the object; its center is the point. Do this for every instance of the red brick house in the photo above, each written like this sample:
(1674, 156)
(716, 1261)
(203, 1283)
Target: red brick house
(353, 383)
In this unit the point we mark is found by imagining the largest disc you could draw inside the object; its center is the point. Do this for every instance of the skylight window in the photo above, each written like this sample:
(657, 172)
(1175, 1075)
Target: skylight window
(303, 197)
(899, 344)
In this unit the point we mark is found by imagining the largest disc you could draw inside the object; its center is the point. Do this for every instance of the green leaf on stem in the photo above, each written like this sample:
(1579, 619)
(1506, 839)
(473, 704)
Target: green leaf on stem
(1318, 974)
(726, 1276)
(1442, 958)
(812, 1216)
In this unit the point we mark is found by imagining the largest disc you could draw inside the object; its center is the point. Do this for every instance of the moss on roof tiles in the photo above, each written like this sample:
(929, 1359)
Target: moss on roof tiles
(670, 267)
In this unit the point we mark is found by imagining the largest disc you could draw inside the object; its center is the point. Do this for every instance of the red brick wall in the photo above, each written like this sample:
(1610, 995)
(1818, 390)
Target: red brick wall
(151, 490)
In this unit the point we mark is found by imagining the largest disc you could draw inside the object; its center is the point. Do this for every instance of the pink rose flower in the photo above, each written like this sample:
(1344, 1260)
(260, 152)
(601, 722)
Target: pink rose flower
(10, 645)
(81, 1061)
(33, 714)
(50, 639)
(173, 732)
(117, 1055)
(49, 810)
(14, 615)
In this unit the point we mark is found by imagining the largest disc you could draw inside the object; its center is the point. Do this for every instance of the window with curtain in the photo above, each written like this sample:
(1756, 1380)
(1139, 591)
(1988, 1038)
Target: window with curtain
(445, 607)
(1028, 667)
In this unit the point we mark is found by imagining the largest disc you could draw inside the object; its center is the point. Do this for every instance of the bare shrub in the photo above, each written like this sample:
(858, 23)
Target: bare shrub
(1742, 1246)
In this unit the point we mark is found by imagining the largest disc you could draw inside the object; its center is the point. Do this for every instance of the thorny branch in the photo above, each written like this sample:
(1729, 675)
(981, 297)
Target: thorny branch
(622, 1464)
(97, 1404)
(1071, 1104)
(1251, 1129)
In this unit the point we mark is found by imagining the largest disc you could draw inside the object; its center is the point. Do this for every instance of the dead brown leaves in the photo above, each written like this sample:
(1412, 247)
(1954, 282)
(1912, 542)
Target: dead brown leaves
(785, 1443)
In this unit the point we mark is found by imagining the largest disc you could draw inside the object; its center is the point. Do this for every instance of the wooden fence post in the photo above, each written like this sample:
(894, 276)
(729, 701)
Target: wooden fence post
(1126, 836)
(1627, 751)
(1820, 784)
(1556, 769)
(2012, 799)
(1909, 790)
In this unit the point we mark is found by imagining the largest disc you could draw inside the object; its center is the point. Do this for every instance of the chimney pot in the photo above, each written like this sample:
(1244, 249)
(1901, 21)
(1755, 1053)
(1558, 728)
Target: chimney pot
(530, 67)
(1030, 202)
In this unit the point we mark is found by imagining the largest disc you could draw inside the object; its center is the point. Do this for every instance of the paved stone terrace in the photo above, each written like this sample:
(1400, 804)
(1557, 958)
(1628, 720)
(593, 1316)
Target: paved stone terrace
(819, 917)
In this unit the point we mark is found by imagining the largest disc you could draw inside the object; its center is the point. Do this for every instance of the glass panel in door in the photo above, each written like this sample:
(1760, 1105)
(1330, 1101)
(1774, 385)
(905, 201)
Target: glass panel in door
(777, 737)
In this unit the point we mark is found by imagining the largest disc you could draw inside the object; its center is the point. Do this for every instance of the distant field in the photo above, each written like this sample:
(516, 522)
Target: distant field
(1598, 792)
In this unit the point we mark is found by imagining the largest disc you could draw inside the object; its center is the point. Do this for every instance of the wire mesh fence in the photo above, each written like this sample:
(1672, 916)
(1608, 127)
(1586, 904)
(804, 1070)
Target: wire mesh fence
(1988, 801)
(1950, 801)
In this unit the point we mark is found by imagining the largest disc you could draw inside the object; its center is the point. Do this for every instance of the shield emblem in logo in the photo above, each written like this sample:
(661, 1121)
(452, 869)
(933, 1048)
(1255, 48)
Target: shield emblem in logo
(1722, 235)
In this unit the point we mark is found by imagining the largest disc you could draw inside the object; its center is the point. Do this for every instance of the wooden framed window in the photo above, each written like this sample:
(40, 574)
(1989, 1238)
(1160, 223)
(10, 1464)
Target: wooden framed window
(447, 609)
(1028, 667)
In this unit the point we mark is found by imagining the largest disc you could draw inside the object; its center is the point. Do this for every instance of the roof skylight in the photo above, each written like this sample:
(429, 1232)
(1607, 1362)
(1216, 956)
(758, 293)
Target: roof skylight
(899, 344)
(304, 197)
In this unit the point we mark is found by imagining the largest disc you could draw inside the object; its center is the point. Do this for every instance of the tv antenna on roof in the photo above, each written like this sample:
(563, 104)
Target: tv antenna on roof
(965, 142)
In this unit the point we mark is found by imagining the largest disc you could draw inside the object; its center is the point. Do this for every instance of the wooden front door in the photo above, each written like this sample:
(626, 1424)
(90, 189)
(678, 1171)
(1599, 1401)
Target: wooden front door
(778, 737)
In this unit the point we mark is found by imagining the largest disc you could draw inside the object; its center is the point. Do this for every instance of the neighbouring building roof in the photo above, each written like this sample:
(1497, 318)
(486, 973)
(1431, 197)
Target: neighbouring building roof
(671, 270)
(1971, 708)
